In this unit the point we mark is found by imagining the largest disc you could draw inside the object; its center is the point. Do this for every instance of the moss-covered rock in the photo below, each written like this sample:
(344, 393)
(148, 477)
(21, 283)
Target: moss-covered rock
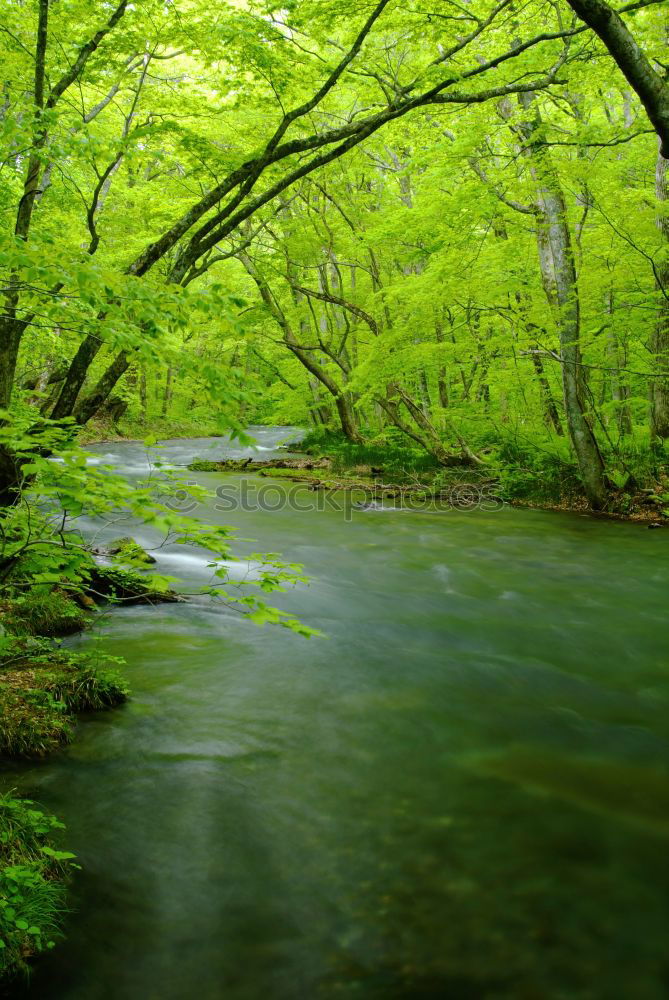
(129, 551)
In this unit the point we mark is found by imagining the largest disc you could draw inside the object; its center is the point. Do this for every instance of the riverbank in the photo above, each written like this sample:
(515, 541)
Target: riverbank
(101, 431)
(465, 489)
(525, 475)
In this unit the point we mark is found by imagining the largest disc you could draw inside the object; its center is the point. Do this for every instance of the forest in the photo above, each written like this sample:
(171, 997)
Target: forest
(413, 254)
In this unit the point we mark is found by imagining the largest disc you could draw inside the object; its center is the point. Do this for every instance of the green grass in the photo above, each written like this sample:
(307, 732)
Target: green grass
(396, 460)
(542, 470)
(33, 877)
(41, 691)
(47, 614)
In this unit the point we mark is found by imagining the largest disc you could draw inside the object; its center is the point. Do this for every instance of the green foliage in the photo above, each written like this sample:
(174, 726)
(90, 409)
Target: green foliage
(43, 687)
(46, 613)
(538, 471)
(386, 451)
(33, 875)
(32, 723)
(402, 279)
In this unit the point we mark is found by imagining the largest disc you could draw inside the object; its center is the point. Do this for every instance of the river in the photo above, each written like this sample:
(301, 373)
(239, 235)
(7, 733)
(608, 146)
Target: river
(460, 792)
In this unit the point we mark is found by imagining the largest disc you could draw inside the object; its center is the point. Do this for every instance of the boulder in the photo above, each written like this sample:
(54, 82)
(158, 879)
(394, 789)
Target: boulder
(128, 550)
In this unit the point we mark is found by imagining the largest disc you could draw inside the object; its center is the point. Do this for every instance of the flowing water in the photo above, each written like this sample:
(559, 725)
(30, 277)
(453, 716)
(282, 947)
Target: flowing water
(460, 793)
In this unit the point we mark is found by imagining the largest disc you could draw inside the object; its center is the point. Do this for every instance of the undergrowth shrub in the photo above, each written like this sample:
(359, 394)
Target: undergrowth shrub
(49, 613)
(385, 452)
(33, 876)
(42, 689)
(542, 474)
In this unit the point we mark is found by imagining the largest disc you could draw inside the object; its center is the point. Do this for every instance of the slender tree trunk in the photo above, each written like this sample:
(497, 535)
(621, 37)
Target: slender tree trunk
(319, 411)
(167, 395)
(424, 392)
(340, 396)
(142, 394)
(426, 435)
(442, 378)
(659, 342)
(551, 415)
(619, 390)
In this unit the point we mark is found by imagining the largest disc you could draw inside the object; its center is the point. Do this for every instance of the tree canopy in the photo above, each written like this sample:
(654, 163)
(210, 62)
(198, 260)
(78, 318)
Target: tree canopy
(448, 225)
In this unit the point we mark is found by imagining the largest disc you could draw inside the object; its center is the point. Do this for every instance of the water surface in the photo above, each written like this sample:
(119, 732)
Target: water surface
(460, 793)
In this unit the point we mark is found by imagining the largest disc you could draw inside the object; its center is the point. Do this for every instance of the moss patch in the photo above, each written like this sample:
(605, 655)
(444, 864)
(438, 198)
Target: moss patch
(110, 583)
(127, 550)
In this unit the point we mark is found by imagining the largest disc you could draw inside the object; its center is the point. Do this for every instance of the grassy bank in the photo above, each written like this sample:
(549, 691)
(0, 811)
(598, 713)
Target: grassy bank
(162, 428)
(42, 689)
(522, 472)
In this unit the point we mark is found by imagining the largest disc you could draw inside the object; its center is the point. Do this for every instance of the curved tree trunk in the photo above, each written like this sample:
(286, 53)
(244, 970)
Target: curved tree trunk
(652, 90)
(341, 397)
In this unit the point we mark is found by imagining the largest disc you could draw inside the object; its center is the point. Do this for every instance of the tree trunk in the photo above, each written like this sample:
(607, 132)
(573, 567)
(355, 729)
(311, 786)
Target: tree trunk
(651, 88)
(319, 410)
(556, 259)
(659, 342)
(341, 398)
(76, 376)
(92, 403)
(142, 394)
(551, 415)
(167, 395)
(442, 378)
(427, 437)
(619, 390)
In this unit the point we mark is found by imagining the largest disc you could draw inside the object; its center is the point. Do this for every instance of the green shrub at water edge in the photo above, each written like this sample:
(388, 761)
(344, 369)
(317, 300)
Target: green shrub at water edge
(388, 452)
(49, 613)
(42, 689)
(33, 876)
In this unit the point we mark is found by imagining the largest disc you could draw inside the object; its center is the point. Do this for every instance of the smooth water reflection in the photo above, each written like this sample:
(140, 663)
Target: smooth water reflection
(460, 793)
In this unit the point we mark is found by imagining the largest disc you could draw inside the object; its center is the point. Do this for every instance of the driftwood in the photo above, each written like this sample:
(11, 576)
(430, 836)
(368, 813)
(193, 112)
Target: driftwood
(250, 465)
